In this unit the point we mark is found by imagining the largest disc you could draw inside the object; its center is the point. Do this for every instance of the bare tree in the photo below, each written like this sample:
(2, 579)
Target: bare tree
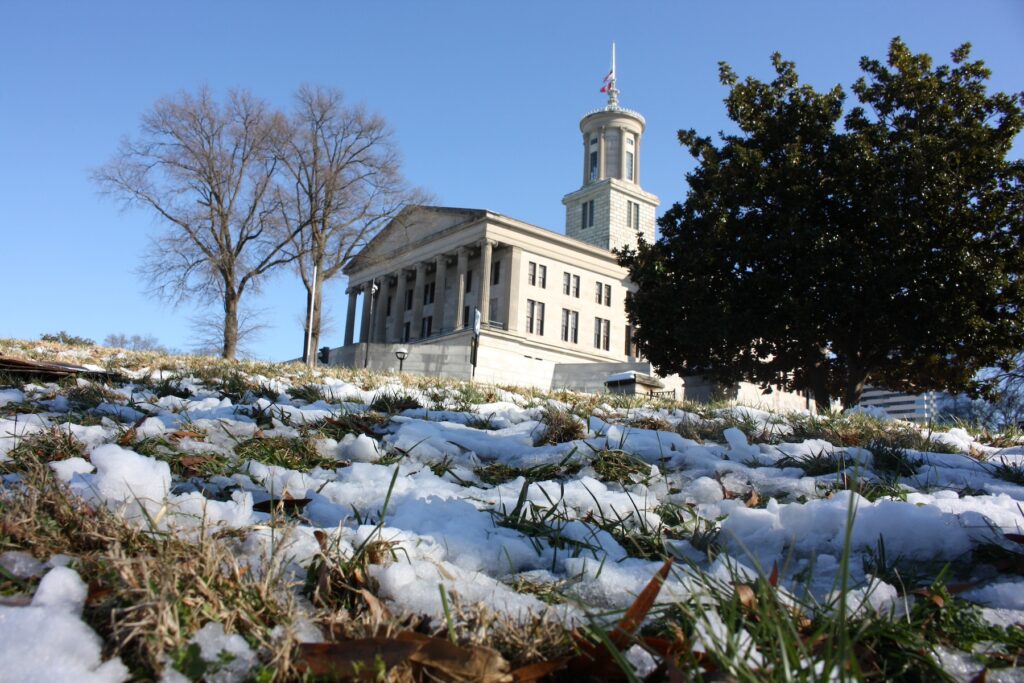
(341, 184)
(206, 169)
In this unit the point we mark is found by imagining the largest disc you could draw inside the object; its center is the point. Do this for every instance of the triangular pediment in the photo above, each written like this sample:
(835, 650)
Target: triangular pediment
(414, 225)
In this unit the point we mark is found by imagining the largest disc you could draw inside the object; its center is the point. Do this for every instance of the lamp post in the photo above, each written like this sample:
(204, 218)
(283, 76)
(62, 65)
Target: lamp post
(401, 353)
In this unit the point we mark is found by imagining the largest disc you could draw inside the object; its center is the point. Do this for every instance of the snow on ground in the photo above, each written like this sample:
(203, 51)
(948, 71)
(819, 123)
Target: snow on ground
(448, 527)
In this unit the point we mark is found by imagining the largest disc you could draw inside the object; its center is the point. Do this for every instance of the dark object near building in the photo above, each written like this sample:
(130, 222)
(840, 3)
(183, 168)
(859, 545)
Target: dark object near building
(324, 355)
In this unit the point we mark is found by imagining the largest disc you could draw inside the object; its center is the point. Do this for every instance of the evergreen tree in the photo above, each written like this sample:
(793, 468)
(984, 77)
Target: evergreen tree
(815, 251)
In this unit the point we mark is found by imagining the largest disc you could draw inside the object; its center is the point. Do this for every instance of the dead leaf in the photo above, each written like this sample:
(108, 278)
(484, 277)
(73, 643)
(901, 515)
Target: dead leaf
(187, 434)
(747, 597)
(596, 660)
(928, 594)
(194, 462)
(377, 609)
(636, 613)
(353, 658)
(471, 663)
(754, 500)
(537, 671)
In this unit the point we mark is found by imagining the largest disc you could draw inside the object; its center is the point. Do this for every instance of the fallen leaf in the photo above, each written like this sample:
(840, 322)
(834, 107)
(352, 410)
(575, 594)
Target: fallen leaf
(353, 658)
(773, 578)
(187, 434)
(458, 663)
(536, 672)
(747, 598)
(596, 660)
(636, 613)
(754, 500)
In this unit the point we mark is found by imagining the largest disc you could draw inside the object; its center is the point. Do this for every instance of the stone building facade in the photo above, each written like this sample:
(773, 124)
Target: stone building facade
(551, 306)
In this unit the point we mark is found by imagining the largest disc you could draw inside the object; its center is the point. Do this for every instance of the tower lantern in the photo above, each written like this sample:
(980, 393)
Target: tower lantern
(611, 208)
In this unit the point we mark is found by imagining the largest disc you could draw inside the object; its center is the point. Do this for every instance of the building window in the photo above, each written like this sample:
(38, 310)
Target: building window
(542, 276)
(388, 312)
(629, 165)
(496, 273)
(534, 317)
(587, 214)
(566, 280)
(428, 293)
(600, 292)
(427, 326)
(607, 295)
(602, 330)
(593, 159)
(466, 322)
(408, 299)
(532, 274)
(576, 286)
(570, 326)
(405, 332)
(629, 140)
(632, 215)
(632, 346)
(469, 281)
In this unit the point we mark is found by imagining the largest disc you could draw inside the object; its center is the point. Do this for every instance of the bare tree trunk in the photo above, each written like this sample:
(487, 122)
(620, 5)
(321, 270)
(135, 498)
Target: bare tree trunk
(311, 341)
(230, 325)
(856, 378)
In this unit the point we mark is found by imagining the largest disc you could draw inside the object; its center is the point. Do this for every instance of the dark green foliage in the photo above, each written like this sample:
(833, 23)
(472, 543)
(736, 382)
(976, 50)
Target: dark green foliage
(63, 337)
(394, 401)
(891, 459)
(816, 464)
(294, 454)
(813, 255)
(561, 426)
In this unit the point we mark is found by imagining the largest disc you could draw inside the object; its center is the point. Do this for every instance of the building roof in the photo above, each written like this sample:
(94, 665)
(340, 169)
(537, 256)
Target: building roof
(420, 223)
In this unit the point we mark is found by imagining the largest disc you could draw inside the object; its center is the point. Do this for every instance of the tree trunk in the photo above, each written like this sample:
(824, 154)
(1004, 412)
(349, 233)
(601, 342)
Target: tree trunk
(311, 342)
(818, 378)
(856, 378)
(230, 325)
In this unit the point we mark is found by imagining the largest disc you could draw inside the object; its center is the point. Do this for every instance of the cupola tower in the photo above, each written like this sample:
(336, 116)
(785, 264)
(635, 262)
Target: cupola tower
(611, 208)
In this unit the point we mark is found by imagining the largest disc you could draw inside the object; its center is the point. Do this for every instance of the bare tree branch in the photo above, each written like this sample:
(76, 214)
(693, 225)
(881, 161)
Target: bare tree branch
(206, 169)
(341, 184)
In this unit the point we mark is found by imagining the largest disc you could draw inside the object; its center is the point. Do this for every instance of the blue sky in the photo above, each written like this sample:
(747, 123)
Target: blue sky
(484, 97)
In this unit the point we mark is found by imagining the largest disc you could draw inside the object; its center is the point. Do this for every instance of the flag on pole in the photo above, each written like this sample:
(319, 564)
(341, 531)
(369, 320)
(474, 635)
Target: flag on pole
(608, 81)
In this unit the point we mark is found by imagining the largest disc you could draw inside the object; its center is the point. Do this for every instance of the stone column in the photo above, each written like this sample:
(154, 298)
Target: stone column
(600, 156)
(364, 327)
(460, 287)
(417, 301)
(398, 308)
(380, 323)
(350, 315)
(622, 153)
(636, 162)
(486, 253)
(586, 158)
(512, 291)
(440, 270)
